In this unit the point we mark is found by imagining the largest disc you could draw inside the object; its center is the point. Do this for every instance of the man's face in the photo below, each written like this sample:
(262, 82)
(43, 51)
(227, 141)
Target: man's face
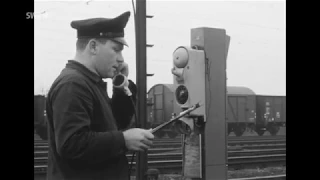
(108, 58)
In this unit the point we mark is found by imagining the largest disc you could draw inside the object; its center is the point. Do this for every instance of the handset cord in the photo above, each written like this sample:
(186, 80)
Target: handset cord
(136, 124)
(134, 107)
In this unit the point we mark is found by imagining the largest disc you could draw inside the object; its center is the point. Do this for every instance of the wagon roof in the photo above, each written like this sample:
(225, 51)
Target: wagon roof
(232, 90)
(239, 90)
(169, 86)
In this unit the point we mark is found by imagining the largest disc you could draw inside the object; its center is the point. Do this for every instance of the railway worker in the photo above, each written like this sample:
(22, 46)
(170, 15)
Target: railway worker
(88, 131)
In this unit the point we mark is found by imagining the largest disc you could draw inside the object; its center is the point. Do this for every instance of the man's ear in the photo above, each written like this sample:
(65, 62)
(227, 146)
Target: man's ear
(93, 46)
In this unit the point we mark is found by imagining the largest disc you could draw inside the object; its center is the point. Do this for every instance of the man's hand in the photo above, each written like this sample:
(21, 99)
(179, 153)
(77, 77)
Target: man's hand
(138, 139)
(123, 68)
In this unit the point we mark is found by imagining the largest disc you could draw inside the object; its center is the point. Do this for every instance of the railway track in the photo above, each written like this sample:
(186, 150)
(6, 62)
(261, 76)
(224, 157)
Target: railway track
(152, 150)
(166, 155)
(175, 164)
(172, 162)
(179, 145)
(167, 143)
(178, 139)
(275, 177)
(178, 155)
(233, 156)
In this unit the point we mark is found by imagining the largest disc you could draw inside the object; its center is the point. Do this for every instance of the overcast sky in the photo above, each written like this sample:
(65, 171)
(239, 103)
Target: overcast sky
(257, 51)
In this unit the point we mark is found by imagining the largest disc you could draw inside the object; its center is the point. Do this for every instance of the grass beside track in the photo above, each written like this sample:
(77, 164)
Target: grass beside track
(233, 174)
(269, 171)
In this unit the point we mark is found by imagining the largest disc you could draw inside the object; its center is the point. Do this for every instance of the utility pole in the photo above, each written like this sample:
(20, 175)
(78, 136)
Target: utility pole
(141, 74)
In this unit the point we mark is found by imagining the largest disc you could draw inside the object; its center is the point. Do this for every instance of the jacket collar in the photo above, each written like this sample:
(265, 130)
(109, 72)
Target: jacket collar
(84, 70)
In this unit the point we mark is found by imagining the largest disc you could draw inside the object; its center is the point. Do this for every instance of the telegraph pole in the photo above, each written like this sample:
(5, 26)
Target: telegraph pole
(141, 74)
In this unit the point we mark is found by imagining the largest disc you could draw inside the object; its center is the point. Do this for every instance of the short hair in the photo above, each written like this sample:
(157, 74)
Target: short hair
(82, 42)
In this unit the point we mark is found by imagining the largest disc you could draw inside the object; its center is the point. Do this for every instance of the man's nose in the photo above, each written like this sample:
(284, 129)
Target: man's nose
(120, 58)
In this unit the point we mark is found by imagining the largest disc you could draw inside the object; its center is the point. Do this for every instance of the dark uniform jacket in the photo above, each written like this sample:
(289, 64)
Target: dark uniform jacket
(84, 126)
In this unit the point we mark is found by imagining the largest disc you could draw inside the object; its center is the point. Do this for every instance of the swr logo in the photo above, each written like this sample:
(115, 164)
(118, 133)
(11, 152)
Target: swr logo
(32, 15)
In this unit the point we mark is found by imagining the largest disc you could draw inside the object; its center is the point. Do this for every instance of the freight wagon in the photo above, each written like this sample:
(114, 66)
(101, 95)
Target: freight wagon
(271, 113)
(245, 110)
(241, 109)
(160, 108)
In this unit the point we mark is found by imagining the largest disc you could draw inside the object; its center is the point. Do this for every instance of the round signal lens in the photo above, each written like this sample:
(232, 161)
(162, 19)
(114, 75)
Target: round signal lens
(182, 94)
